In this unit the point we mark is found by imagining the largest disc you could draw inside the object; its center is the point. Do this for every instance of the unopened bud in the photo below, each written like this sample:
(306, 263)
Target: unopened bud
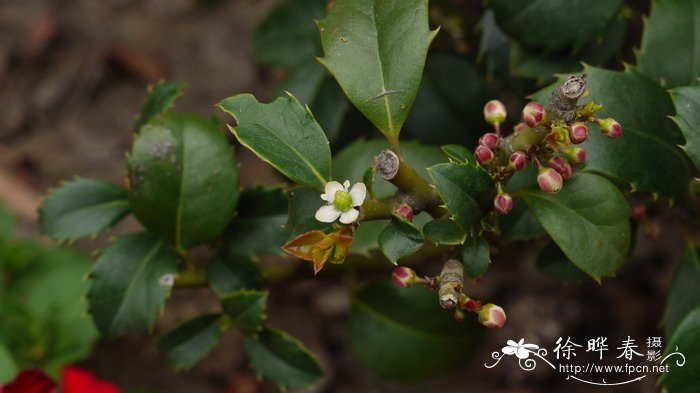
(405, 211)
(404, 277)
(639, 212)
(518, 160)
(560, 165)
(575, 155)
(459, 315)
(549, 180)
(489, 140)
(520, 127)
(578, 133)
(503, 203)
(533, 114)
(609, 127)
(494, 112)
(492, 316)
(483, 154)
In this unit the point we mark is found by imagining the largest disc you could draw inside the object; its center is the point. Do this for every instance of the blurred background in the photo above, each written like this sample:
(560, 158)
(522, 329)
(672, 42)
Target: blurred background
(73, 74)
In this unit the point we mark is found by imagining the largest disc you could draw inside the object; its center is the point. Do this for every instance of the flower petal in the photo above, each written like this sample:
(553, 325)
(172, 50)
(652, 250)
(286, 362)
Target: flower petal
(522, 353)
(331, 188)
(508, 350)
(349, 216)
(327, 213)
(346, 184)
(358, 194)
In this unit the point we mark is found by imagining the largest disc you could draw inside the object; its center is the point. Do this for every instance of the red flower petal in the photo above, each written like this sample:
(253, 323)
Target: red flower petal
(77, 380)
(30, 381)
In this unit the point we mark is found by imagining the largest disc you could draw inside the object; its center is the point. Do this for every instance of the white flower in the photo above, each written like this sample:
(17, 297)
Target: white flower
(519, 349)
(341, 202)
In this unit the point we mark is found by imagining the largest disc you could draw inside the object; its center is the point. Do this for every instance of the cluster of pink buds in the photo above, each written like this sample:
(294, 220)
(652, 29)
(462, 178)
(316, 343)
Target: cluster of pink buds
(554, 154)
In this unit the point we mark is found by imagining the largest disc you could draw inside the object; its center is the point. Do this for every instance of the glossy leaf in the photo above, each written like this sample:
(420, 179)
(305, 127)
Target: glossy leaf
(129, 284)
(246, 309)
(687, 102)
(520, 224)
(288, 36)
(403, 334)
(554, 263)
(259, 228)
(467, 191)
(444, 231)
(684, 294)
(304, 202)
(228, 272)
(670, 43)
(183, 179)
(589, 221)
(556, 24)
(283, 134)
(399, 239)
(476, 256)
(161, 97)
(449, 104)
(682, 376)
(646, 155)
(191, 341)
(376, 51)
(82, 207)
(458, 153)
(281, 359)
(311, 84)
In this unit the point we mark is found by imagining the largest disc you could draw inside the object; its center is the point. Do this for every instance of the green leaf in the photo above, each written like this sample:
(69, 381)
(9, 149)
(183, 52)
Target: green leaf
(444, 231)
(129, 284)
(670, 43)
(646, 155)
(528, 63)
(288, 36)
(403, 334)
(82, 207)
(246, 308)
(281, 359)
(399, 239)
(589, 221)
(494, 46)
(7, 224)
(683, 378)
(449, 104)
(229, 272)
(476, 256)
(8, 366)
(183, 179)
(160, 98)
(687, 102)
(555, 24)
(350, 163)
(284, 134)
(458, 153)
(554, 263)
(303, 204)
(311, 84)
(467, 191)
(259, 226)
(376, 51)
(191, 341)
(520, 224)
(684, 294)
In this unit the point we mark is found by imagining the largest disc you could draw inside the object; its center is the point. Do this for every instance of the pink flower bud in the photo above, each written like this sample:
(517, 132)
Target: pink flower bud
(575, 155)
(518, 160)
(405, 211)
(494, 112)
(578, 133)
(492, 316)
(489, 140)
(404, 277)
(520, 127)
(609, 127)
(533, 114)
(549, 180)
(560, 165)
(503, 203)
(483, 154)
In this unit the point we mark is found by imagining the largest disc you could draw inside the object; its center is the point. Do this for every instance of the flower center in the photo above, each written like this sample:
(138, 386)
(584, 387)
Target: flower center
(342, 200)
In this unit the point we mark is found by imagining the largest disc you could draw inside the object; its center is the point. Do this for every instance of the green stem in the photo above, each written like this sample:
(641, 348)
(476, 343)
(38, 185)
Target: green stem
(191, 277)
